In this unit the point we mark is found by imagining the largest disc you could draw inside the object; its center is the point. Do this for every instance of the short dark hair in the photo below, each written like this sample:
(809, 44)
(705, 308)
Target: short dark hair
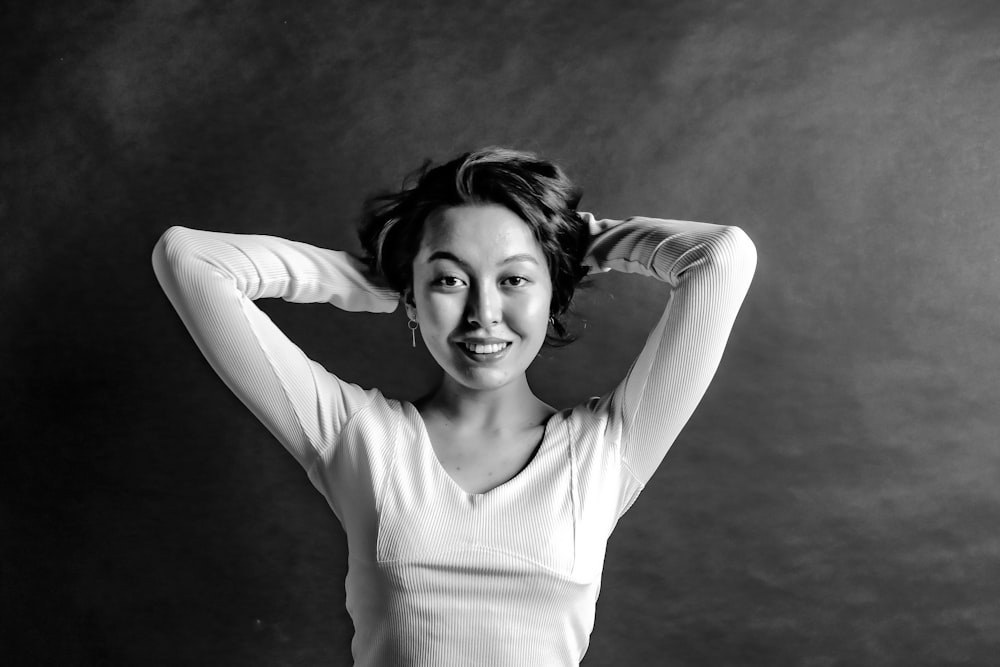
(534, 189)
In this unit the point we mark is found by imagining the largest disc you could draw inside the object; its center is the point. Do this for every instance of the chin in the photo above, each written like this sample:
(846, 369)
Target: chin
(477, 379)
(485, 377)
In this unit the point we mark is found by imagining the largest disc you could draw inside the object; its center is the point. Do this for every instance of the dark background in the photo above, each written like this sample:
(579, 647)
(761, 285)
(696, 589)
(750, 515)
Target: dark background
(835, 499)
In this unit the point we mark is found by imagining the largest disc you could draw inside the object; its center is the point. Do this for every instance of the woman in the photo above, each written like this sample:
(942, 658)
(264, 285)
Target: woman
(477, 518)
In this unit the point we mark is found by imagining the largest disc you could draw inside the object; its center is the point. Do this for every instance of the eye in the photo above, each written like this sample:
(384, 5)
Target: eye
(448, 282)
(517, 281)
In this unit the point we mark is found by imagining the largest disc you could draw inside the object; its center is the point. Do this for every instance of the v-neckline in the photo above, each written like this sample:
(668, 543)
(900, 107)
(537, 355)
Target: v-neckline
(428, 449)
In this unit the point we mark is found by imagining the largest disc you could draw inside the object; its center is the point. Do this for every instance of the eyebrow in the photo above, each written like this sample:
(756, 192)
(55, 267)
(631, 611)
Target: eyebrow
(444, 254)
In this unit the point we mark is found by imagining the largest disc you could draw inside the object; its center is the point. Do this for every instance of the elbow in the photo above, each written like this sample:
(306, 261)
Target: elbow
(730, 256)
(735, 254)
(169, 250)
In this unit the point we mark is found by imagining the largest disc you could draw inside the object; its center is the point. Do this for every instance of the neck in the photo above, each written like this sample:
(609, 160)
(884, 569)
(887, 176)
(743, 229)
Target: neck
(510, 407)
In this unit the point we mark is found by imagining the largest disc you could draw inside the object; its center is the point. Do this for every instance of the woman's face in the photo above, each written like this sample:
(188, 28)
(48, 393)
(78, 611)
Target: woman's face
(481, 294)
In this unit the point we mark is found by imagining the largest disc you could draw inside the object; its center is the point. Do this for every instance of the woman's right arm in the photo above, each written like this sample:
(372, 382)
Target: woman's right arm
(213, 278)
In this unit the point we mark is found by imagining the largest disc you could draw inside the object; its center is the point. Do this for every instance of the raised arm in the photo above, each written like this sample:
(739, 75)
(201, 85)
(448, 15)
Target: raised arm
(709, 268)
(212, 280)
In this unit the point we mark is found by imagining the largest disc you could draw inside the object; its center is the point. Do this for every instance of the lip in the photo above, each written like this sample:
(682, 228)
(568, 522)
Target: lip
(486, 357)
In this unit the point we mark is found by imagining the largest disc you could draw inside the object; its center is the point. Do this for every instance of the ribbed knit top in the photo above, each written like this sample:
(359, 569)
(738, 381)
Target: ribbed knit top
(438, 576)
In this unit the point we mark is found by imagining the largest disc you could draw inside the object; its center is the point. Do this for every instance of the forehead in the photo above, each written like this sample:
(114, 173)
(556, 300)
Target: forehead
(485, 232)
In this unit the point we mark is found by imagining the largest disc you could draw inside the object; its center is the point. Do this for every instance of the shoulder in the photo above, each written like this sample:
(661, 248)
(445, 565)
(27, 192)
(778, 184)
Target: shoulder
(603, 477)
(593, 421)
(376, 410)
(374, 429)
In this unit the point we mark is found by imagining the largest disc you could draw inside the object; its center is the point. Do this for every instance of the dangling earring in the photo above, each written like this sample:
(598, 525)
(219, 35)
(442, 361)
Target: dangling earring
(412, 326)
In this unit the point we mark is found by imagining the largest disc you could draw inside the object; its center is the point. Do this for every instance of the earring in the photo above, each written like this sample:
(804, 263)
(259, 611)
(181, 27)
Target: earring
(412, 326)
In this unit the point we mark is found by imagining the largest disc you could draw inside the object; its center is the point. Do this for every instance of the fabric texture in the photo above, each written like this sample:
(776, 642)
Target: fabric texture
(438, 576)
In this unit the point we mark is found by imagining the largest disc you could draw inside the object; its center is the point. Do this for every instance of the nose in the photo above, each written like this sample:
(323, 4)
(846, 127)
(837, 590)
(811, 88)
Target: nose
(483, 307)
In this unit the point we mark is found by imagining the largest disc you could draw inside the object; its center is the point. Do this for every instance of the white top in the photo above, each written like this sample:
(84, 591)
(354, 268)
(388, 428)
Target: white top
(438, 576)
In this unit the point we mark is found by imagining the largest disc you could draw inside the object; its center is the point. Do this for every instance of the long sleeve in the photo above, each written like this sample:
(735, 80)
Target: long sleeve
(213, 278)
(709, 268)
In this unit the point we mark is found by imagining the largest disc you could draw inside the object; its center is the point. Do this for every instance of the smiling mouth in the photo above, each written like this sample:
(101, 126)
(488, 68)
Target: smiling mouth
(484, 351)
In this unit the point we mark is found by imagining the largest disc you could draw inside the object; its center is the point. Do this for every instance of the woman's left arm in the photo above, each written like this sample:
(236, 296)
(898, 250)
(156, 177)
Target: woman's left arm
(709, 268)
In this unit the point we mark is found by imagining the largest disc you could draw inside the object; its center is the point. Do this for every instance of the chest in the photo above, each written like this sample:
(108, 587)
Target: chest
(480, 462)
(533, 520)
(555, 514)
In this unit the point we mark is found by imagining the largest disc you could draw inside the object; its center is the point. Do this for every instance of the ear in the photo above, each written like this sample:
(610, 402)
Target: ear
(406, 298)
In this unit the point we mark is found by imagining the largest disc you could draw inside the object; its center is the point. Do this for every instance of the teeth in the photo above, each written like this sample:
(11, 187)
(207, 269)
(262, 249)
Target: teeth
(485, 349)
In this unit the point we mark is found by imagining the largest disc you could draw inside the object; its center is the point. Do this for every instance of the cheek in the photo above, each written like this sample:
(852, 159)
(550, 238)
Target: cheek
(438, 311)
(533, 313)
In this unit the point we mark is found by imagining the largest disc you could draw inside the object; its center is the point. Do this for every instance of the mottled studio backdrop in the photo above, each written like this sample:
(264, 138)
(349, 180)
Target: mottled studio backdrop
(834, 501)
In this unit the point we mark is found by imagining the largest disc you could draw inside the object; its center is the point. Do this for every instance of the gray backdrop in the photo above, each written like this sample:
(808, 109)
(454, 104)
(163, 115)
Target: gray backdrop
(834, 501)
